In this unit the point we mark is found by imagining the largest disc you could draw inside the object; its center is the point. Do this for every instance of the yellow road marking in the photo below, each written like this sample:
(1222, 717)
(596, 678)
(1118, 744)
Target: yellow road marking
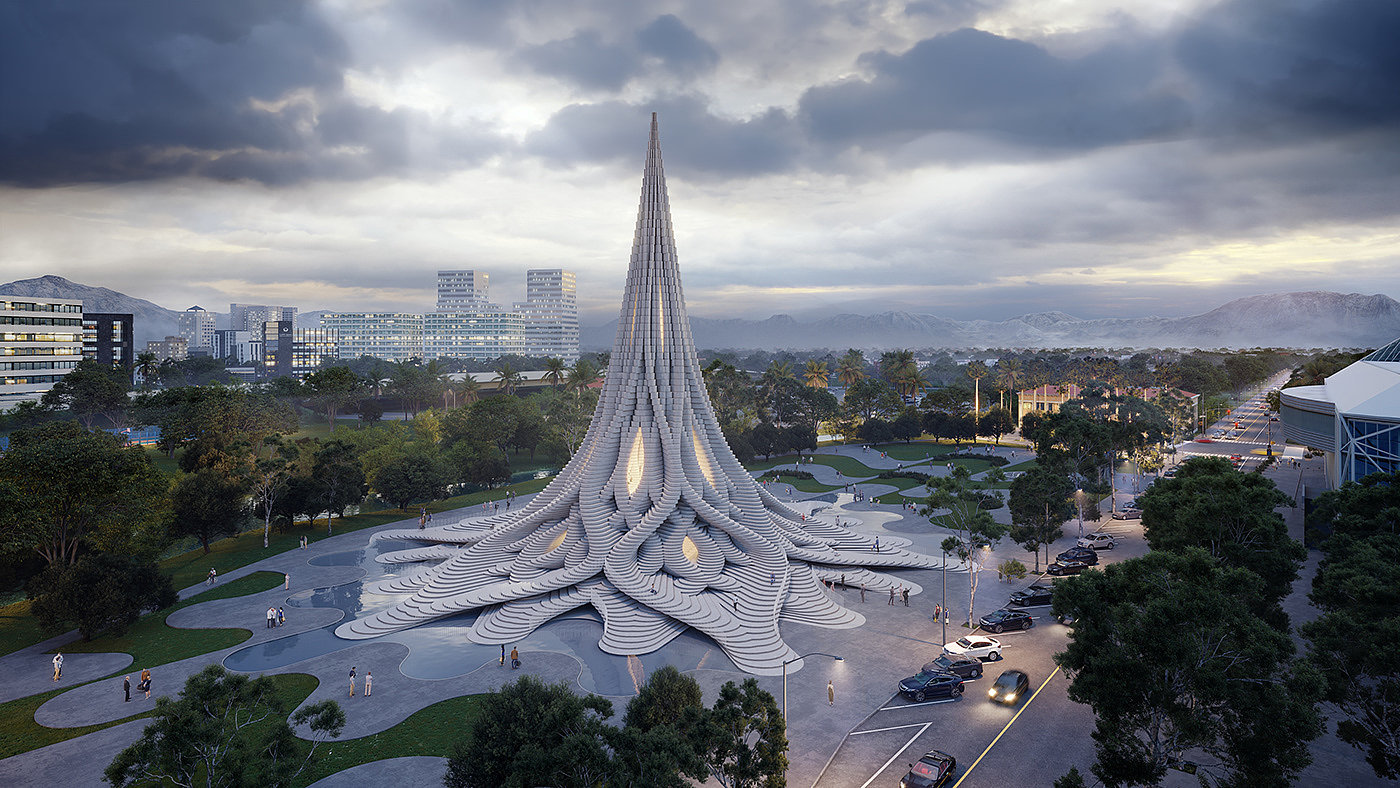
(1024, 706)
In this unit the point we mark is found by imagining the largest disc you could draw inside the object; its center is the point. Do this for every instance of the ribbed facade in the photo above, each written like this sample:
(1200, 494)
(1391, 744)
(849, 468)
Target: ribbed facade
(393, 336)
(41, 340)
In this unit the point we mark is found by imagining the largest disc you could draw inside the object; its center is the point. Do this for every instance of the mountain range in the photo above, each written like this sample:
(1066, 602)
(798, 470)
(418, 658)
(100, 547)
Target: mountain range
(1315, 319)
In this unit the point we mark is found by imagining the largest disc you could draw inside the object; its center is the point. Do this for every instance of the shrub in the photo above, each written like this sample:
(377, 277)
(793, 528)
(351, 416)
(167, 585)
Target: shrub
(102, 593)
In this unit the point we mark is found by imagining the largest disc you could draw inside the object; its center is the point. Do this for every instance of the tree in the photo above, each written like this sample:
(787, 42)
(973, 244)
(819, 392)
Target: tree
(520, 732)
(908, 426)
(81, 491)
(871, 398)
(1358, 587)
(339, 478)
(850, 368)
(1180, 669)
(208, 504)
(492, 420)
(1228, 514)
(269, 479)
(555, 371)
(225, 729)
(665, 699)
(90, 390)
(744, 739)
(975, 533)
(998, 422)
(977, 370)
(508, 378)
(148, 367)
(581, 376)
(334, 389)
(103, 594)
(816, 374)
(420, 475)
(1040, 502)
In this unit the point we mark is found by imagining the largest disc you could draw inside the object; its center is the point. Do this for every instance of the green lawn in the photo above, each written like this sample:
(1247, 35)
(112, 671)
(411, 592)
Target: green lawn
(429, 731)
(806, 485)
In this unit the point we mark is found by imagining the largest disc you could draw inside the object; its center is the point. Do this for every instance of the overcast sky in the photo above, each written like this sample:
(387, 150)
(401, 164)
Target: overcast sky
(965, 158)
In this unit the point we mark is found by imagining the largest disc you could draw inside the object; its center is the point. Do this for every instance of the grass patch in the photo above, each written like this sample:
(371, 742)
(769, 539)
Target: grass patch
(430, 731)
(805, 485)
(18, 628)
(19, 733)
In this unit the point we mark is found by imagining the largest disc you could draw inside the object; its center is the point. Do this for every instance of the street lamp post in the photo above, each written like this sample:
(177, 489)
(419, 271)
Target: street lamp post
(943, 617)
(1079, 502)
(785, 664)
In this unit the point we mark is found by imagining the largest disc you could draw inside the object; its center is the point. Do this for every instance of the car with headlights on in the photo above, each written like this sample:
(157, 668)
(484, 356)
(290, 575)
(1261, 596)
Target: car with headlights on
(1000, 620)
(1009, 686)
(974, 646)
(934, 770)
(931, 685)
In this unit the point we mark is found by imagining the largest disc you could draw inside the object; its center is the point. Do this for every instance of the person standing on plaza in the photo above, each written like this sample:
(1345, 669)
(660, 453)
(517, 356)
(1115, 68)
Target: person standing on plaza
(126, 687)
(830, 693)
(286, 581)
(352, 681)
(862, 592)
(57, 666)
(282, 619)
(514, 658)
(937, 613)
(891, 595)
(503, 655)
(146, 682)
(369, 682)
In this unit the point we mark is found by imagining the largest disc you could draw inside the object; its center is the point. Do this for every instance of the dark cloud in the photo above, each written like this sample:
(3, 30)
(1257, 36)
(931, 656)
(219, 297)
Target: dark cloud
(695, 140)
(106, 92)
(587, 60)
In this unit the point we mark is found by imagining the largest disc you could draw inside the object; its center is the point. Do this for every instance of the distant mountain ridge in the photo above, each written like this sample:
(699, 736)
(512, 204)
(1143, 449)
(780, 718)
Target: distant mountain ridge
(1301, 320)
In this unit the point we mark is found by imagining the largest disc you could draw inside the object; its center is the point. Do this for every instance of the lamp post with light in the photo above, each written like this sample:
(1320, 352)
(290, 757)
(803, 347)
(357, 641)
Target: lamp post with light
(785, 664)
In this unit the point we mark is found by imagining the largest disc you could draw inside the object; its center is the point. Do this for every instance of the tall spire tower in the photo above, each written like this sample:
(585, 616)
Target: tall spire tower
(653, 522)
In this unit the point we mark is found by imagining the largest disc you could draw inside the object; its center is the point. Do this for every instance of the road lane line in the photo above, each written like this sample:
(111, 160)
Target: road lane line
(891, 728)
(913, 705)
(1024, 706)
(915, 738)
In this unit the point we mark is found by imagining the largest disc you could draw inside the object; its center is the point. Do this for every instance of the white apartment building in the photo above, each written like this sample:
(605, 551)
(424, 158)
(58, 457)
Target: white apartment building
(251, 317)
(462, 290)
(482, 334)
(41, 339)
(550, 311)
(243, 347)
(197, 327)
(393, 336)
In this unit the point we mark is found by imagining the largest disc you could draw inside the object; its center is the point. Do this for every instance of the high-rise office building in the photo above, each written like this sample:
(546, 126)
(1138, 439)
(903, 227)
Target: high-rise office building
(462, 290)
(197, 327)
(550, 311)
(109, 339)
(394, 336)
(251, 317)
(295, 351)
(172, 348)
(482, 334)
(41, 340)
(242, 347)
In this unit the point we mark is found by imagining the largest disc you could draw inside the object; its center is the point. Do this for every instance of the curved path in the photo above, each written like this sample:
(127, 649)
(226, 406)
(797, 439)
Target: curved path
(415, 770)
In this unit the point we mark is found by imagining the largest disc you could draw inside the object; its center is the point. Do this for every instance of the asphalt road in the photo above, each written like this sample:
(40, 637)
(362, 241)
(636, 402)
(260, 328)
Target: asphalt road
(1255, 431)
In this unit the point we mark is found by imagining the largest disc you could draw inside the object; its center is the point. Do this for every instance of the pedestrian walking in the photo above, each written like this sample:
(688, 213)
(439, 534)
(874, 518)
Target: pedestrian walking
(862, 592)
(282, 619)
(514, 658)
(906, 596)
(57, 666)
(352, 681)
(271, 618)
(286, 581)
(146, 682)
(369, 682)
(503, 655)
(830, 693)
(937, 613)
(877, 544)
(891, 595)
(843, 581)
(126, 687)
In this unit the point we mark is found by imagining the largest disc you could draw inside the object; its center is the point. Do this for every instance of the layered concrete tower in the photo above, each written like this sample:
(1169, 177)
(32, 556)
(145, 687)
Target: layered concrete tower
(653, 522)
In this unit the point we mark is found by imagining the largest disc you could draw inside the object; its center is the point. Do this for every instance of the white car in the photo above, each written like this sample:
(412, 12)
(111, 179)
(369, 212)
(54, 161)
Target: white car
(1097, 541)
(975, 646)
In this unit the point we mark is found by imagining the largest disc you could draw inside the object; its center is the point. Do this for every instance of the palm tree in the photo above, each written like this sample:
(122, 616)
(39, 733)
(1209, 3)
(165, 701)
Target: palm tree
(911, 381)
(554, 370)
(581, 375)
(1009, 370)
(977, 370)
(850, 368)
(508, 378)
(469, 389)
(147, 365)
(816, 374)
(897, 364)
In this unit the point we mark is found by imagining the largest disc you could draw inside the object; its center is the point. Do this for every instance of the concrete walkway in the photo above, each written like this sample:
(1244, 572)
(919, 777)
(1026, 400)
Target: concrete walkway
(29, 671)
(417, 770)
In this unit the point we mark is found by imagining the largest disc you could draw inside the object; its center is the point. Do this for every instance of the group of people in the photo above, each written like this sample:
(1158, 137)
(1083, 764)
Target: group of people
(144, 685)
(424, 517)
(275, 618)
(514, 656)
(369, 682)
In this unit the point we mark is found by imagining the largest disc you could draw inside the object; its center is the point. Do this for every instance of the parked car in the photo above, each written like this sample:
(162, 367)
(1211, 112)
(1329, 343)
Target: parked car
(1097, 541)
(931, 685)
(999, 620)
(933, 770)
(1085, 554)
(965, 668)
(1061, 569)
(1129, 513)
(1169, 474)
(976, 646)
(1009, 686)
(1204, 439)
(1032, 597)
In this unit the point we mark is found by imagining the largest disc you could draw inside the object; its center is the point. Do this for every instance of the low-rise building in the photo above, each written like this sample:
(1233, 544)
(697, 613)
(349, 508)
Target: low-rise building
(170, 348)
(1352, 417)
(41, 340)
(1049, 399)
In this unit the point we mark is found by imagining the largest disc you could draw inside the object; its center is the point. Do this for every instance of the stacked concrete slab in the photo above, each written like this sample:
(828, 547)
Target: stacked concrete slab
(653, 523)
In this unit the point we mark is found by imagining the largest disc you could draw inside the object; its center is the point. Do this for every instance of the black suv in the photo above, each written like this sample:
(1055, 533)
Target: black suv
(931, 685)
(962, 667)
(1032, 597)
(933, 770)
(1085, 555)
(999, 620)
